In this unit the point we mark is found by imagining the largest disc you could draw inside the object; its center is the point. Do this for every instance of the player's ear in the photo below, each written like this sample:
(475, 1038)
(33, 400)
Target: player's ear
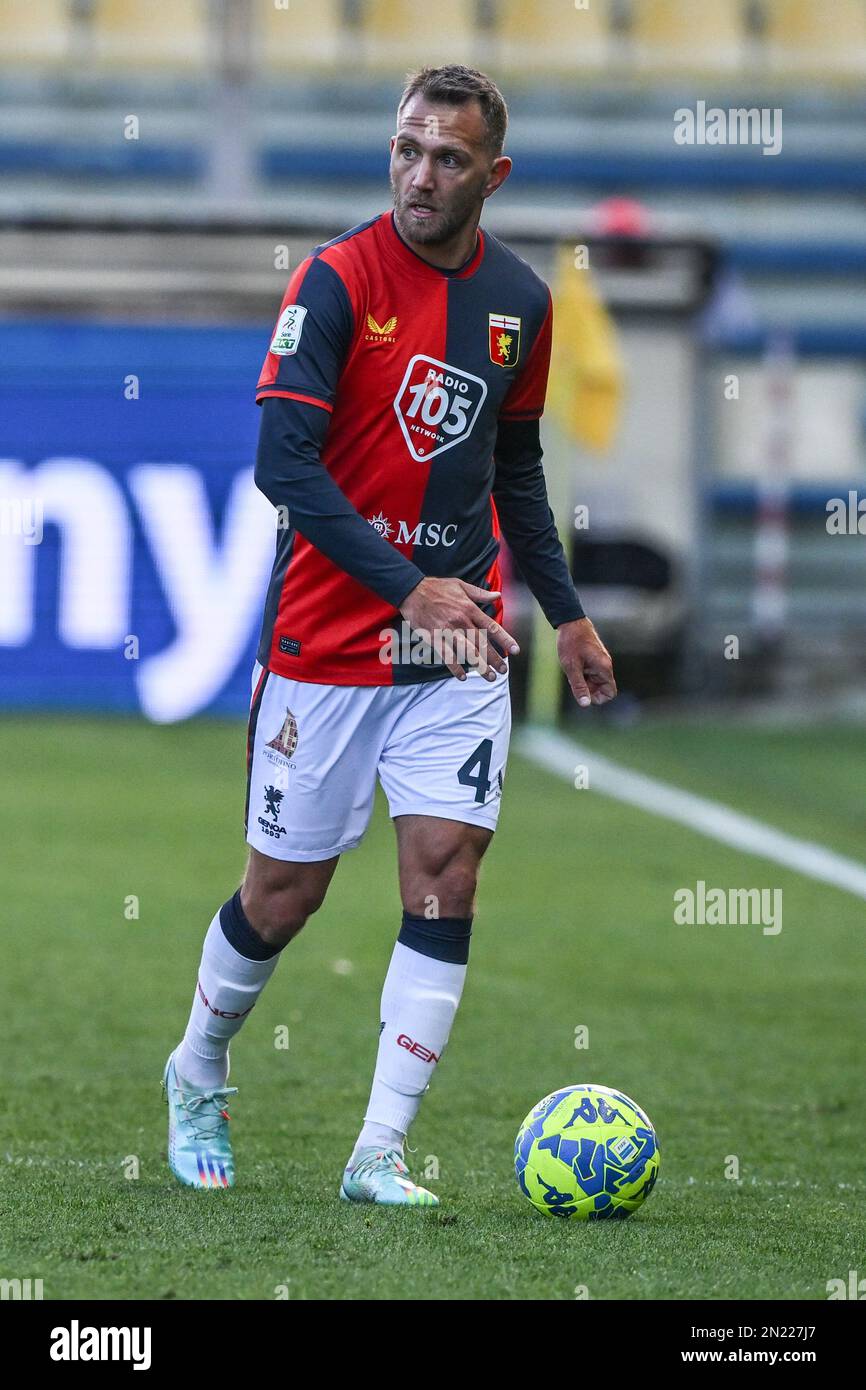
(499, 171)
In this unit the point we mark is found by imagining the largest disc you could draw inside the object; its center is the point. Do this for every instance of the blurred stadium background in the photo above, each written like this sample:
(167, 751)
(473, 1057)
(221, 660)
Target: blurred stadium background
(163, 167)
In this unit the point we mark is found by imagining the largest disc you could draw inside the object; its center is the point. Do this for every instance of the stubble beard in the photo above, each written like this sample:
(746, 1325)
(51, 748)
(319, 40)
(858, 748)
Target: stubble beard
(441, 227)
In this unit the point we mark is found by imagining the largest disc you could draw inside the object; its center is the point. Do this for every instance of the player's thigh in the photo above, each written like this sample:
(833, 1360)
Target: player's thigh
(446, 751)
(312, 753)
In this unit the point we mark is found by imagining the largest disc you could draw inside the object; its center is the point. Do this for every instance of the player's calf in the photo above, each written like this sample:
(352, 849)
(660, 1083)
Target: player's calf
(238, 958)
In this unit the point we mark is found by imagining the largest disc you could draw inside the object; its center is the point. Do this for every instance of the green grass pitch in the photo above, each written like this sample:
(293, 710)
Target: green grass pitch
(736, 1043)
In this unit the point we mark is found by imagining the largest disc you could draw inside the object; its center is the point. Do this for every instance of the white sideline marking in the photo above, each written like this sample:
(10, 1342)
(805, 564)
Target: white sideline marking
(557, 754)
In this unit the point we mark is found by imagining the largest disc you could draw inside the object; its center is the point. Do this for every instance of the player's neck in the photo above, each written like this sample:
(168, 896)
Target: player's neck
(445, 255)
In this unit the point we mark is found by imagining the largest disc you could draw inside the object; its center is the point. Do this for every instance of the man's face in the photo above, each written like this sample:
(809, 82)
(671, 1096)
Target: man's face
(441, 169)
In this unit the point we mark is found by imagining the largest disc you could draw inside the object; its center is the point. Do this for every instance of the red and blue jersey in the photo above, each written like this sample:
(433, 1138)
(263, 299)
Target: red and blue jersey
(400, 439)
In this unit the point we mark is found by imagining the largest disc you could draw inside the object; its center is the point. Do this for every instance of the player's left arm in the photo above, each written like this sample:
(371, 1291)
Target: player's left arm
(527, 523)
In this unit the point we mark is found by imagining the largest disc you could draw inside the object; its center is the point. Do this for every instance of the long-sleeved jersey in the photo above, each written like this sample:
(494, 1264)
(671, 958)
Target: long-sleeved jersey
(399, 439)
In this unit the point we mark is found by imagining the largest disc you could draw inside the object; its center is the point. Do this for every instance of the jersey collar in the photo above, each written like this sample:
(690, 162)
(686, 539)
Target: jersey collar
(411, 261)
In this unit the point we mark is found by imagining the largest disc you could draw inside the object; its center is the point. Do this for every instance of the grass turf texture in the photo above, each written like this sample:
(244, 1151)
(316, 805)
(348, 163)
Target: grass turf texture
(736, 1043)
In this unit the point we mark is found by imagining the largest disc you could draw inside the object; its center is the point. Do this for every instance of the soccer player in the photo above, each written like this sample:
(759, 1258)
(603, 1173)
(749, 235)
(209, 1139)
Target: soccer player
(399, 438)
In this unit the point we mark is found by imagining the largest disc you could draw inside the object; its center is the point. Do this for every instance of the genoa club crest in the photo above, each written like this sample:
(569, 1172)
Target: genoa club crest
(504, 339)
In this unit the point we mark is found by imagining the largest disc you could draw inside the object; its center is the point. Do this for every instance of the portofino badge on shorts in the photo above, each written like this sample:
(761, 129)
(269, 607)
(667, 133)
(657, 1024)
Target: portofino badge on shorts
(281, 748)
(504, 335)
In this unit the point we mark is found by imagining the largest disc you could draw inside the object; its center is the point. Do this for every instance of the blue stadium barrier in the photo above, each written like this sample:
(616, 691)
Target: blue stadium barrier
(687, 167)
(121, 159)
(807, 340)
(802, 499)
(808, 258)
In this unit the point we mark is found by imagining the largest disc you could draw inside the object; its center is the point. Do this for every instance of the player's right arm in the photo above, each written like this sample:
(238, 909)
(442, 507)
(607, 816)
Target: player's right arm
(290, 473)
(296, 390)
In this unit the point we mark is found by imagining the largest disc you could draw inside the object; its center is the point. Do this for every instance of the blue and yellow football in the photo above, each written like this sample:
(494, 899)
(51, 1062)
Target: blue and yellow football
(586, 1152)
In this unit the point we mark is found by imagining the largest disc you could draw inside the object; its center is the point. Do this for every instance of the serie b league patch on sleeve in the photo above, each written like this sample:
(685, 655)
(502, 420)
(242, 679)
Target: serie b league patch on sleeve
(287, 334)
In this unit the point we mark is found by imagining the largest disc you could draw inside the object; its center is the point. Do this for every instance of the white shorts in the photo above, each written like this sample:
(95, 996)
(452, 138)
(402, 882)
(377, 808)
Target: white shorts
(314, 752)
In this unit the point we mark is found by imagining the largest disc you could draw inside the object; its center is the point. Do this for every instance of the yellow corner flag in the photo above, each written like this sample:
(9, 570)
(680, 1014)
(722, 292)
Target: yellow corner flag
(584, 392)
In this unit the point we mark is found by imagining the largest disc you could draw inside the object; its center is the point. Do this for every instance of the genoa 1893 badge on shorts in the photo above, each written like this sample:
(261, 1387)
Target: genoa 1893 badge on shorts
(273, 798)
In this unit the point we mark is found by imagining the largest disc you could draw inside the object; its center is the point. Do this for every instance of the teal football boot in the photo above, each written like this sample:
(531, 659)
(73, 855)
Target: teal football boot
(381, 1176)
(199, 1149)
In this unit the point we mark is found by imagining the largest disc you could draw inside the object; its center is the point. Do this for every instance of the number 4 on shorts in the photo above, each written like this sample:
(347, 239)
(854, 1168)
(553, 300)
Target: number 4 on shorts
(480, 780)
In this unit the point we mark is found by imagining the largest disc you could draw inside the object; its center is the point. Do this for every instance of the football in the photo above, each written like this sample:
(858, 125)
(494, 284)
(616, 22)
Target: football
(586, 1152)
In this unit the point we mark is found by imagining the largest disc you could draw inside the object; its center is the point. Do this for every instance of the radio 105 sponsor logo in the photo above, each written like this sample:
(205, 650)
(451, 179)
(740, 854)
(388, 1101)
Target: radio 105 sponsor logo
(437, 406)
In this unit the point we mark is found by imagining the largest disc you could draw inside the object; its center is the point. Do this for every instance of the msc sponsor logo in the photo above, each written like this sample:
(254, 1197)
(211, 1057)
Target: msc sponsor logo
(380, 523)
(437, 406)
(417, 1049)
(427, 533)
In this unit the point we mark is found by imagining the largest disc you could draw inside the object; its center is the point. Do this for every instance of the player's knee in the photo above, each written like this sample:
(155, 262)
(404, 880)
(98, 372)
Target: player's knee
(277, 910)
(452, 880)
(456, 891)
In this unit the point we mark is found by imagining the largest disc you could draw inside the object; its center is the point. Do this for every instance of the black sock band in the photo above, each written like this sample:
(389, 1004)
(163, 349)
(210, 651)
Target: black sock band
(240, 934)
(443, 938)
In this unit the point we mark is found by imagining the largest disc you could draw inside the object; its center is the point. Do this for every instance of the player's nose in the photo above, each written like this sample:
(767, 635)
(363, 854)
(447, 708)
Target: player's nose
(423, 177)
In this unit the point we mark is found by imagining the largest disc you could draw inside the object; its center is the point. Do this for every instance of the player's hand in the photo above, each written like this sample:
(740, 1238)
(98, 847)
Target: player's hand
(586, 662)
(448, 611)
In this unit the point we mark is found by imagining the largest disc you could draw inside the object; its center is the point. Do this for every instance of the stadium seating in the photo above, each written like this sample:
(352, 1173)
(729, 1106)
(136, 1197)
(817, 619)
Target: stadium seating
(399, 34)
(672, 35)
(531, 39)
(808, 39)
(549, 36)
(135, 35)
(309, 34)
(34, 35)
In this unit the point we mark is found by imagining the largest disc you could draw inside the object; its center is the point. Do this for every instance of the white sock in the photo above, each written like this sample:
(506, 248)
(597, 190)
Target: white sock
(228, 986)
(419, 1001)
(376, 1136)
